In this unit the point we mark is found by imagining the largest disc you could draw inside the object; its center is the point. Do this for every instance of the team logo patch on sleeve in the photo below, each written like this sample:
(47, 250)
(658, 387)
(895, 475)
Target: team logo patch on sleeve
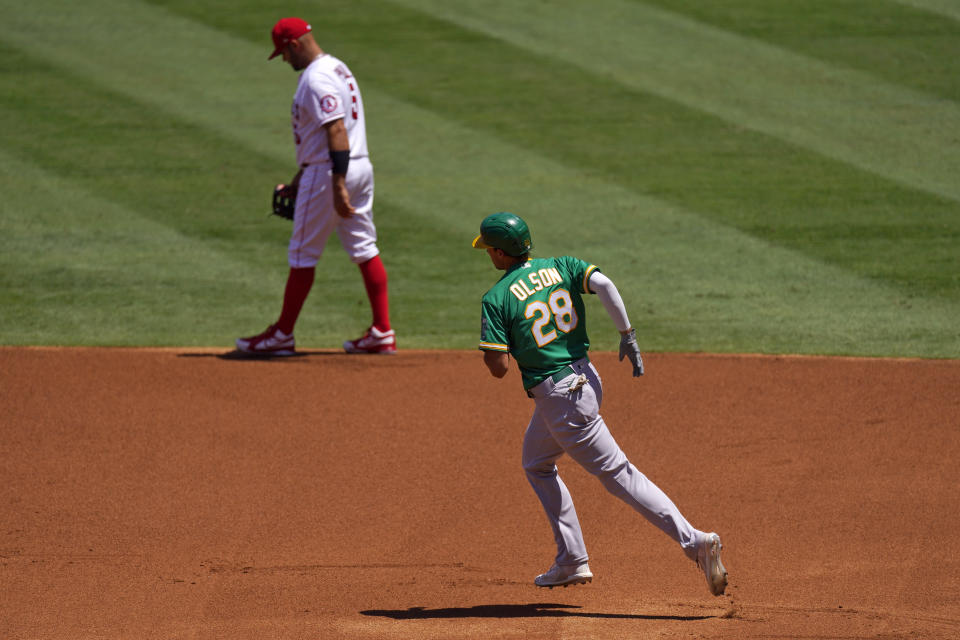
(328, 103)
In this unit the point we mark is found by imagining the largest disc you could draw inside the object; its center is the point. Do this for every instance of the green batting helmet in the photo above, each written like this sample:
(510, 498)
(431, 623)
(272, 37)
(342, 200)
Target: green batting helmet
(506, 232)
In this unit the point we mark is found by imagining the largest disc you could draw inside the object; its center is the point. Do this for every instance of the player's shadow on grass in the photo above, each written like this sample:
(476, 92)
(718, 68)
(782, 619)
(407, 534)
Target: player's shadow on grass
(534, 610)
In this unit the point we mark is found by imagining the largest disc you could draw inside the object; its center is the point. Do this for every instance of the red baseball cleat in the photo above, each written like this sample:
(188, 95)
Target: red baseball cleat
(271, 342)
(373, 341)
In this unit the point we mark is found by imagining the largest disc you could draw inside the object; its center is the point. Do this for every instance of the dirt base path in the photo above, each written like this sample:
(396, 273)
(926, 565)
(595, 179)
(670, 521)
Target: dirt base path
(183, 494)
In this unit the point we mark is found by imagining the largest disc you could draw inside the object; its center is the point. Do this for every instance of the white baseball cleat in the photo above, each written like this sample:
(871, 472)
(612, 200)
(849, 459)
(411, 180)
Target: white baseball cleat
(373, 341)
(271, 342)
(559, 576)
(708, 559)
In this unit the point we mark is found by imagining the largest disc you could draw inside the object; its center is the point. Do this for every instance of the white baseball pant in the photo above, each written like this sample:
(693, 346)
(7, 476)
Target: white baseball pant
(315, 217)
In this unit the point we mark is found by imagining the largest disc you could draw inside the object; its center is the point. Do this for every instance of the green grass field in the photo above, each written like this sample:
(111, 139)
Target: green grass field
(755, 175)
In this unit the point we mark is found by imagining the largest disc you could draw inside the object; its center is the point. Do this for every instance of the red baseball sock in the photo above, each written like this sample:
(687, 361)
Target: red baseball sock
(375, 279)
(298, 286)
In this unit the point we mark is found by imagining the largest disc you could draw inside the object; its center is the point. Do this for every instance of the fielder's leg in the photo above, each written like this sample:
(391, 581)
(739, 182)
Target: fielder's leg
(298, 287)
(358, 235)
(375, 281)
(313, 222)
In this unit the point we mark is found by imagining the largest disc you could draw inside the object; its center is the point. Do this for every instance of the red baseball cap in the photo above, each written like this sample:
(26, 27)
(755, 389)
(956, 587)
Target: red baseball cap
(284, 31)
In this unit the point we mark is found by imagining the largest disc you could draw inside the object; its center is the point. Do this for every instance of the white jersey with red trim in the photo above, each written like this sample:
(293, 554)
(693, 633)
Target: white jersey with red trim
(326, 91)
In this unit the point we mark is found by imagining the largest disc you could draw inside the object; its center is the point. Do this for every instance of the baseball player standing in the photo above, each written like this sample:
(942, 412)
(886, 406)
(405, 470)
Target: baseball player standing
(535, 313)
(333, 190)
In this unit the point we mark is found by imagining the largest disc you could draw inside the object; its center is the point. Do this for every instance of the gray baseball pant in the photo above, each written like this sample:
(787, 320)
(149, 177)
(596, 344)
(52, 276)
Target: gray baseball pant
(570, 422)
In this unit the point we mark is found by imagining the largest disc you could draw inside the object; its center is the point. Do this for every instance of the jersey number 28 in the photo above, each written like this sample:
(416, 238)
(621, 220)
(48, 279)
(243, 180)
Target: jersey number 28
(560, 311)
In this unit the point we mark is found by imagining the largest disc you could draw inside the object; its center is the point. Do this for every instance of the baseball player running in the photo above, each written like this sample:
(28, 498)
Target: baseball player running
(330, 137)
(535, 313)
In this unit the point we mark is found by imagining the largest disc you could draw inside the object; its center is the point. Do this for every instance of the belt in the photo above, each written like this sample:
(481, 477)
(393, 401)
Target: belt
(558, 376)
(563, 373)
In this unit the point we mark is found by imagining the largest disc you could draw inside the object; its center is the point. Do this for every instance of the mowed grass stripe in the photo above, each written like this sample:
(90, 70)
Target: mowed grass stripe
(80, 269)
(197, 73)
(179, 173)
(948, 8)
(904, 46)
(842, 114)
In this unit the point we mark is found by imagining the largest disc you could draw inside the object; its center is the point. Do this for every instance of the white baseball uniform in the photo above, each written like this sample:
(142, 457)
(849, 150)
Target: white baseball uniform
(327, 91)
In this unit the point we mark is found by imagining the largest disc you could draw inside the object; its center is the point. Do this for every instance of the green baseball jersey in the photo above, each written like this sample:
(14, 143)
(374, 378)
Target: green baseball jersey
(535, 313)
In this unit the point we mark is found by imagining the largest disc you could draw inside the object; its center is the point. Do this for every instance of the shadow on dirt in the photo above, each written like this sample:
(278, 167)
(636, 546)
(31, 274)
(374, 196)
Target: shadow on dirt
(535, 610)
(259, 357)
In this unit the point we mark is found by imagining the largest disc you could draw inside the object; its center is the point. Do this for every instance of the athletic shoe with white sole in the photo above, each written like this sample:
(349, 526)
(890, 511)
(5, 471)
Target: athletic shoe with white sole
(373, 341)
(271, 342)
(708, 559)
(559, 576)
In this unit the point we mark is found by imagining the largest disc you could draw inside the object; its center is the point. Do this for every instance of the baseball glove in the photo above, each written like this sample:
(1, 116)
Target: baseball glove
(284, 201)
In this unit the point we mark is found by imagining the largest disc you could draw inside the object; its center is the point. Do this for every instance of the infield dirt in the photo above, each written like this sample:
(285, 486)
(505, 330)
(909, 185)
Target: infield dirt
(182, 493)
